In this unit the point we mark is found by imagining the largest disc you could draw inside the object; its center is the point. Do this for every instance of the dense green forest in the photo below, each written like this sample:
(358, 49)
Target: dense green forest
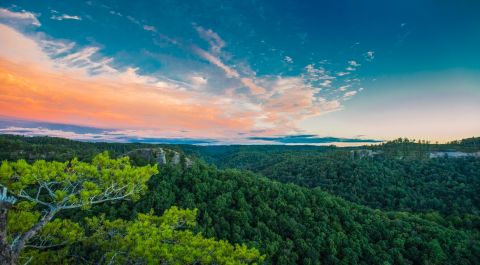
(33, 230)
(302, 204)
(450, 186)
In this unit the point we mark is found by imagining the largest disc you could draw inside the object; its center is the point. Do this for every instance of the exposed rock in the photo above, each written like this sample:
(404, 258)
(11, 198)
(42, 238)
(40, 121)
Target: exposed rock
(159, 155)
(161, 158)
(361, 153)
(453, 154)
(176, 158)
(188, 162)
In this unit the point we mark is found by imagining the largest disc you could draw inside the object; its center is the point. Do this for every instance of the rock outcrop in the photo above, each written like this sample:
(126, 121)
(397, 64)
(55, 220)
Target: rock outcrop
(161, 156)
(361, 153)
(452, 154)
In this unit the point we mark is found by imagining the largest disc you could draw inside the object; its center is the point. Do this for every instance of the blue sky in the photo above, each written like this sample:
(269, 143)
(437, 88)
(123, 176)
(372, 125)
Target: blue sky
(351, 69)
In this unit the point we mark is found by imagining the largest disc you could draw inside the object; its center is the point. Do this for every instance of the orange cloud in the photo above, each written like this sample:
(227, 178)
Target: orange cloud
(62, 90)
(32, 93)
(291, 101)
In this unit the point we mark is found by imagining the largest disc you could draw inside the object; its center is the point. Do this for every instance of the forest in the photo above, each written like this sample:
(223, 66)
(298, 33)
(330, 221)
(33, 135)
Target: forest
(383, 204)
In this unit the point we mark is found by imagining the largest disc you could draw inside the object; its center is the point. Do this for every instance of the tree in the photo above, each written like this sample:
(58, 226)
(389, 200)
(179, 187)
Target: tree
(165, 239)
(50, 187)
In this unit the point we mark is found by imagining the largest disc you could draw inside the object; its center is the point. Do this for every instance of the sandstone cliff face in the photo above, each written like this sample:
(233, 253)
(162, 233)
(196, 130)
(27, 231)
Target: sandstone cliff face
(453, 154)
(161, 156)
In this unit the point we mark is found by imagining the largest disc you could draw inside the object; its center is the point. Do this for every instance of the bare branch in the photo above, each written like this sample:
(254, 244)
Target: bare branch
(93, 201)
(20, 244)
(4, 196)
(25, 195)
(47, 246)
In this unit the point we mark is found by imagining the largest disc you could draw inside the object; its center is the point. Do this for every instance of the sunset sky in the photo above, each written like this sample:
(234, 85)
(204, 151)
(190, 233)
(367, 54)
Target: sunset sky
(240, 71)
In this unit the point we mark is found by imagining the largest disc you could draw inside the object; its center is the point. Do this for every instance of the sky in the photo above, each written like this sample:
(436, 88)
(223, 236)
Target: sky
(222, 72)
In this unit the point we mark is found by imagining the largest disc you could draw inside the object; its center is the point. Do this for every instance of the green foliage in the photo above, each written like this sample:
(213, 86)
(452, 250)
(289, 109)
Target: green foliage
(149, 239)
(425, 210)
(165, 239)
(448, 186)
(73, 184)
(14, 147)
(294, 225)
(43, 189)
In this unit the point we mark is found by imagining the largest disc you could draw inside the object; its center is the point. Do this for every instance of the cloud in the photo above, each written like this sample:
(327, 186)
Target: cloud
(292, 100)
(21, 49)
(215, 42)
(349, 94)
(318, 73)
(65, 17)
(29, 92)
(288, 59)
(343, 88)
(254, 88)
(312, 139)
(93, 134)
(52, 55)
(65, 131)
(198, 80)
(115, 13)
(39, 131)
(353, 63)
(230, 72)
(19, 17)
(326, 83)
(55, 47)
(149, 28)
(64, 90)
(59, 81)
(133, 20)
(369, 56)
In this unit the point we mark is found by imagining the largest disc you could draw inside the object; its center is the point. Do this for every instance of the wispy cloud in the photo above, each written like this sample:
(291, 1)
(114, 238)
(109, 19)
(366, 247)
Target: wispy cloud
(312, 139)
(19, 17)
(92, 134)
(198, 80)
(60, 81)
(349, 94)
(369, 55)
(343, 88)
(288, 59)
(134, 20)
(63, 89)
(292, 99)
(215, 45)
(149, 28)
(102, 136)
(353, 63)
(40, 131)
(84, 59)
(215, 42)
(115, 13)
(65, 17)
(280, 102)
(55, 47)
(230, 72)
(318, 73)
